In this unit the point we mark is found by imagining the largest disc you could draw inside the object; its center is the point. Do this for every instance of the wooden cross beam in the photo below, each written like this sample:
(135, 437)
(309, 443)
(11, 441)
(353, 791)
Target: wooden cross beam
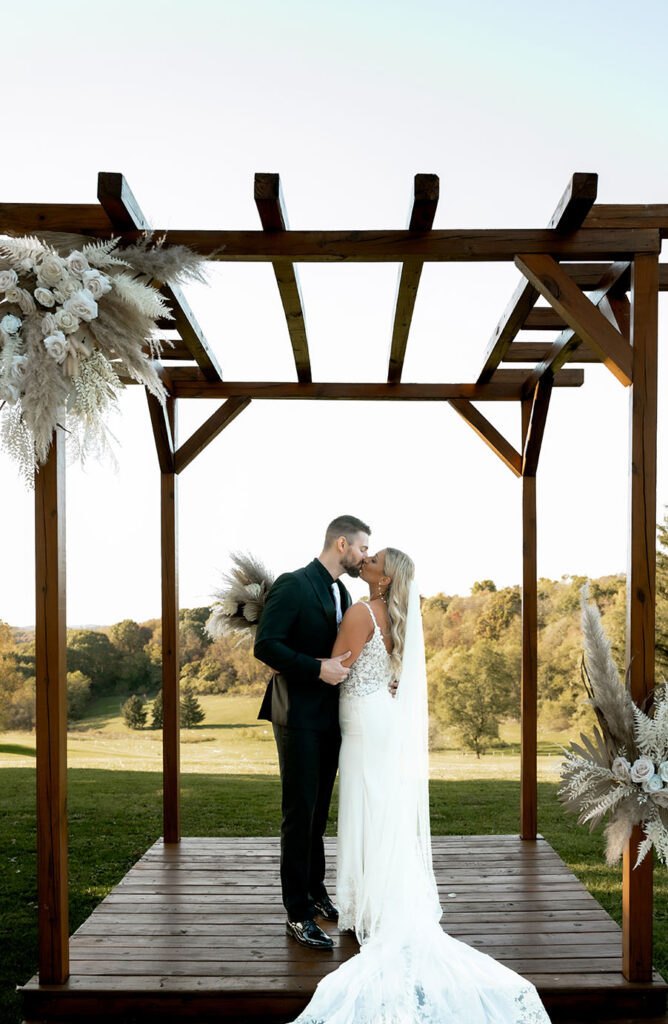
(537, 352)
(581, 314)
(125, 215)
(506, 385)
(210, 429)
(536, 427)
(612, 215)
(572, 208)
(162, 433)
(489, 434)
(421, 218)
(271, 207)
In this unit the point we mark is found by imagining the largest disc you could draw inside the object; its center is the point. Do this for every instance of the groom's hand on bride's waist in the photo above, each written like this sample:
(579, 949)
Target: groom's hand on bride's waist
(331, 669)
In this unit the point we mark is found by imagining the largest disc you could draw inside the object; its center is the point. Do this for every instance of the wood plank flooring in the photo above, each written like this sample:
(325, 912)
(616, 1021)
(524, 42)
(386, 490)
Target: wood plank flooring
(197, 931)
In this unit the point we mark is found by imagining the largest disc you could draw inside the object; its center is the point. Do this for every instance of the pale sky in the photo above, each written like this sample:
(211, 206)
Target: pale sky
(347, 101)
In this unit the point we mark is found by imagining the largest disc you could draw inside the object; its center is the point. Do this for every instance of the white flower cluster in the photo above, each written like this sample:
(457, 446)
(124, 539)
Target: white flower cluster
(650, 777)
(67, 291)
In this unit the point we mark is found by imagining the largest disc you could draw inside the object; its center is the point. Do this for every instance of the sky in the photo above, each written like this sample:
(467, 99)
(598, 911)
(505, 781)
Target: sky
(347, 101)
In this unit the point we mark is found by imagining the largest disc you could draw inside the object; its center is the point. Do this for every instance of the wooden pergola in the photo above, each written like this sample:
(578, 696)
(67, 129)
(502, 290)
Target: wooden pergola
(596, 265)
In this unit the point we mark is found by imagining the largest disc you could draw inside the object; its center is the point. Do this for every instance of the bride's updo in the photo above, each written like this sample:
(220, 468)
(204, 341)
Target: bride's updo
(401, 570)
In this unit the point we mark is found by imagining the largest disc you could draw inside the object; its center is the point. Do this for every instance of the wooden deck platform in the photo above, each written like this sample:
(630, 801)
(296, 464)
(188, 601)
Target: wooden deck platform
(196, 931)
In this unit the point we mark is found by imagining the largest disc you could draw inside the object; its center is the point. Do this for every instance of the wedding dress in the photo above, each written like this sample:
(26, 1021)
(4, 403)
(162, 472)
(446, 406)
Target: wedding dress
(408, 970)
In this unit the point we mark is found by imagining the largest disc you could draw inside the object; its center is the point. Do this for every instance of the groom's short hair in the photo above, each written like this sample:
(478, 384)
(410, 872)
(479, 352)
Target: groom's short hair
(345, 526)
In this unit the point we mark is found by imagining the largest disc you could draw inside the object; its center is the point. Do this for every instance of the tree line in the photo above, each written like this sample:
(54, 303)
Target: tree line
(473, 647)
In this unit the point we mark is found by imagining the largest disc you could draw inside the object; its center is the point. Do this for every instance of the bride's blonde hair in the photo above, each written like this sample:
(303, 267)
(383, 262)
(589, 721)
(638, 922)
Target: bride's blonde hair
(401, 570)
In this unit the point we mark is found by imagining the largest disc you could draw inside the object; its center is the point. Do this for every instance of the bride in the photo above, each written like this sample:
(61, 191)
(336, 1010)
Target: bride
(408, 970)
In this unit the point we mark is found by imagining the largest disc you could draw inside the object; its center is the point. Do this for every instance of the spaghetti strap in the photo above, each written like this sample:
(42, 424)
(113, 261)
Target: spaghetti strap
(368, 606)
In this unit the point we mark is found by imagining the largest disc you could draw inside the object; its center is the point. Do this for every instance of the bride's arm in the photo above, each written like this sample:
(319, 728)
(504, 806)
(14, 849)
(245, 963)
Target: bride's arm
(356, 628)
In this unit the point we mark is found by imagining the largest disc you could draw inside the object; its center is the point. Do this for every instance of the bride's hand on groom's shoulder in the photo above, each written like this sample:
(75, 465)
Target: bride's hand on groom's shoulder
(393, 687)
(332, 671)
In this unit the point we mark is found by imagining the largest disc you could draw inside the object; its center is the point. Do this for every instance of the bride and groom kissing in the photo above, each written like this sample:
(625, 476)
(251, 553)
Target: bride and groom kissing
(349, 691)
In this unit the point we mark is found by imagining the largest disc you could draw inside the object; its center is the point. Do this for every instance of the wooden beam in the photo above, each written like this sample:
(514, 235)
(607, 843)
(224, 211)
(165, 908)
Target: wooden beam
(537, 351)
(641, 588)
(505, 385)
(615, 215)
(389, 246)
(543, 318)
(164, 442)
(576, 202)
(489, 434)
(529, 681)
(51, 715)
(580, 313)
(125, 214)
(571, 209)
(421, 218)
(170, 646)
(74, 218)
(587, 276)
(271, 207)
(210, 429)
(534, 438)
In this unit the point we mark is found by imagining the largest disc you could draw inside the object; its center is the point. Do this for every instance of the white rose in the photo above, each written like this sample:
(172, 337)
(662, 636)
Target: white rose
(68, 287)
(51, 270)
(652, 785)
(663, 771)
(44, 297)
(230, 606)
(8, 393)
(13, 294)
(660, 797)
(97, 284)
(82, 305)
(77, 264)
(66, 321)
(56, 346)
(49, 324)
(621, 769)
(10, 324)
(8, 278)
(26, 302)
(642, 770)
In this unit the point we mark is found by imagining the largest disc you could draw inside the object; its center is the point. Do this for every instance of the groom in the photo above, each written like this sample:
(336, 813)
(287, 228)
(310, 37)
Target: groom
(295, 636)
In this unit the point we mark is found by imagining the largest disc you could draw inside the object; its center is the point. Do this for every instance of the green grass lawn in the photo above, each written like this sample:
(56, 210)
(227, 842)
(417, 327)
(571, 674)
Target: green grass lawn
(115, 815)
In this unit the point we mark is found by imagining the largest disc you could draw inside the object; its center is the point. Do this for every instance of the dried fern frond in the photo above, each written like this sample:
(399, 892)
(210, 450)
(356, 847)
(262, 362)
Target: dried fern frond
(145, 299)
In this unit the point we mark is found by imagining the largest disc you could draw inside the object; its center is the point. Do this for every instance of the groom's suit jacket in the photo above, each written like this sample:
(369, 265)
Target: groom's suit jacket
(298, 626)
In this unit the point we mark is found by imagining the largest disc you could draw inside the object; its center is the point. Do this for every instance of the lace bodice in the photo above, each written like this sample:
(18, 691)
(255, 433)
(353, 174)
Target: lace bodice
(373, 668)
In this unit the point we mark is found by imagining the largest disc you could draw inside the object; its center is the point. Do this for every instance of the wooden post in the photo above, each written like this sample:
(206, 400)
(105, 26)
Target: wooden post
(529, 693)
(51, 715)
(641, 587)
(170, 645)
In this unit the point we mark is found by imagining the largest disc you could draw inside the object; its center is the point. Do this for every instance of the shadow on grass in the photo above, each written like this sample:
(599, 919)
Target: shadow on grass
(114, 816)
(17, 748)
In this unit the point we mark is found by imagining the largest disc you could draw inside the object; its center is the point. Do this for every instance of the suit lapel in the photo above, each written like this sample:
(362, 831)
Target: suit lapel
(322, 593)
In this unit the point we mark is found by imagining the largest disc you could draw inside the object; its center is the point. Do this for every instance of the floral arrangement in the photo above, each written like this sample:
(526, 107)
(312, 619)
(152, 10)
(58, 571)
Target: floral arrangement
(75, 314)
(240, 599)
(623, 770)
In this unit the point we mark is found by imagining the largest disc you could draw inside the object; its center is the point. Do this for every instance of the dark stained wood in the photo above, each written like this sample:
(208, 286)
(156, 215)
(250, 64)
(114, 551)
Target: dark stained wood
(421, 218)
(171, 796)
(543, 318)
(77, 218)
(534, 439)
(208, 960)
(615, 215)
(210, 429)
(125, 214)
(617, 309)
(51, 714)
(271, 207)
(489, 434)
(537, 351)
(388, 246)
(505, 385)
(580, 313)
(588, 275)
(529, 678)
(576, 202)
(162, 433)
(641, 583)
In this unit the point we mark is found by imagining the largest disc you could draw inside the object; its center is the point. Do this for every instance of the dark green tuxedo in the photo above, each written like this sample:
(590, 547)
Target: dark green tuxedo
(297, 627)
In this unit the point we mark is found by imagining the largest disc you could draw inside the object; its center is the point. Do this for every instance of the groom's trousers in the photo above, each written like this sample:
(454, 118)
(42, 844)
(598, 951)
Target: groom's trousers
(308, 760)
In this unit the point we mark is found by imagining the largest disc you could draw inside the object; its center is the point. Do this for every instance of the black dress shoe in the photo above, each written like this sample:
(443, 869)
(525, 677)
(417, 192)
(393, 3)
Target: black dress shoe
(308, 934)
(325, 908)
